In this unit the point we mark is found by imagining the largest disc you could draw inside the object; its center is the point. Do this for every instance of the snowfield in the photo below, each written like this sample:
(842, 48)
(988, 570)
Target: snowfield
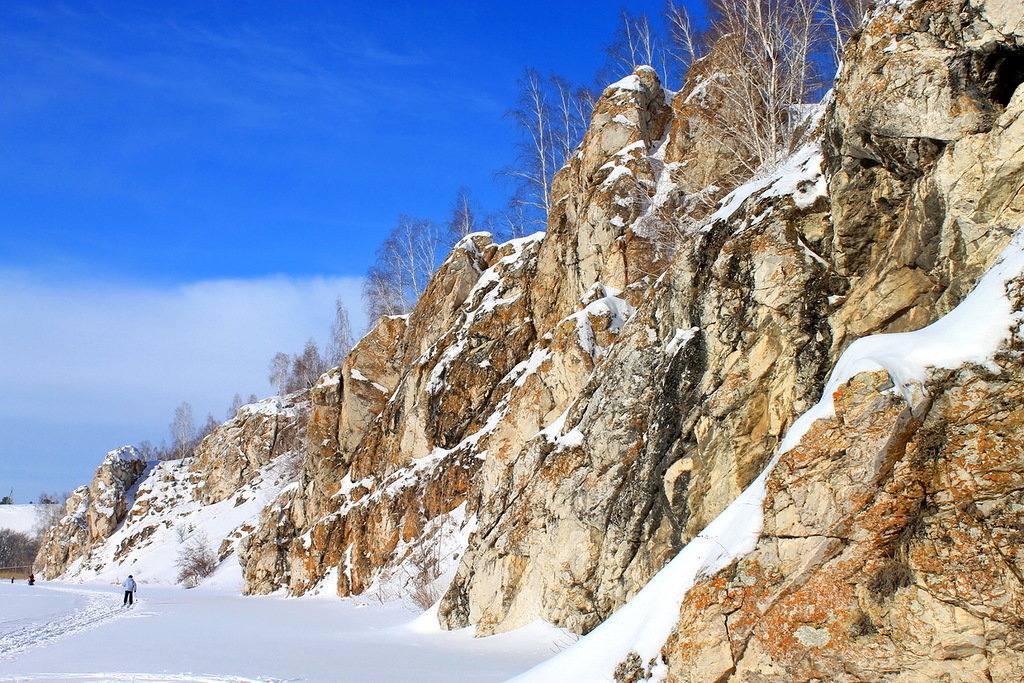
(60, 632)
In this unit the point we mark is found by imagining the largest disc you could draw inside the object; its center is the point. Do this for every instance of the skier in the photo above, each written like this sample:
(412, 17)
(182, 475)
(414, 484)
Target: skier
(31, 579)
(129, 591)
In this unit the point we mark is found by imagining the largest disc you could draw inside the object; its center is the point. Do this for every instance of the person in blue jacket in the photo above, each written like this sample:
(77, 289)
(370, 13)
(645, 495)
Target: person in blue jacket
(129, 590)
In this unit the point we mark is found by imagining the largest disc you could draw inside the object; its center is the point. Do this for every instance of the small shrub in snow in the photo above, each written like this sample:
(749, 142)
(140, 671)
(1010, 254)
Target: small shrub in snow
(183, 531)
(416, 580)
(423, 586)
(631, 670)
(292, 468)
(196, 561)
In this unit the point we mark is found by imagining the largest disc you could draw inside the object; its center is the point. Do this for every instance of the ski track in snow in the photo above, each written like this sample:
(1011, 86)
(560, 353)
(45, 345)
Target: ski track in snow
(99, 609)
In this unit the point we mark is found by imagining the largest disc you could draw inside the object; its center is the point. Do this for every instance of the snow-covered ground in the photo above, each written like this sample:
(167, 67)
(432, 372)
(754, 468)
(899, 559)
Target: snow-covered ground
(19, 517)
(63, 632)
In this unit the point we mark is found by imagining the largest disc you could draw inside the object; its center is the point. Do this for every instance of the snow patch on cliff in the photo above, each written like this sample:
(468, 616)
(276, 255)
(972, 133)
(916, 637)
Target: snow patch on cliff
(800, 177)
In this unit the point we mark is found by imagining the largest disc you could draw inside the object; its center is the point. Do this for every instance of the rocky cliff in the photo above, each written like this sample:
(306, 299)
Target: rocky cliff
(889, 543)
(563, 414)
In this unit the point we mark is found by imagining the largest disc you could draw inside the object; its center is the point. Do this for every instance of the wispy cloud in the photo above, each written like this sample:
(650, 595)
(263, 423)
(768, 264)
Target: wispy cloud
(261, 76)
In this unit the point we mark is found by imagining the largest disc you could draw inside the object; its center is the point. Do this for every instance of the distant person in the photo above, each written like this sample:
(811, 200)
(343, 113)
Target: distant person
(129, 591)
(31, 579)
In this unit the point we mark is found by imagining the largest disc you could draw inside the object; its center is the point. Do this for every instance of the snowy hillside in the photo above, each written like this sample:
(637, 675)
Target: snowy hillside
(167, 518)
(21, 518)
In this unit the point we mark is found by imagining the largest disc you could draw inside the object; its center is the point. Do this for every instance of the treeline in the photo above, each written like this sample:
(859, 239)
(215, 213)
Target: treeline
(185, 433)
(771, 57)
(293, 372)
(288, 373)
(17, 551)
(44, 498)
(551, 118)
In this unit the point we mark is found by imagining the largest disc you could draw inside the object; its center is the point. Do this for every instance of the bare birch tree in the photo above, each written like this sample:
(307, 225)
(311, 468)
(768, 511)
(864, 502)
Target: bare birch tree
(382, 294)
(17, 549)
(767, 52)
(552, 117)
(772, 56)
(183, 431)
(636, 43)
(341, 336)
(307, 367)
(405, 262)
(236, 405)
(841, 18)
(514, 220)
(463, 219)
(280, 370)
(686, 42)
(534, 165)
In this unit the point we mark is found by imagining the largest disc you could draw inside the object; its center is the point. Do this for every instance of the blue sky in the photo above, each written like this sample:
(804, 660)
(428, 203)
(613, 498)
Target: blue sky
(186, 186)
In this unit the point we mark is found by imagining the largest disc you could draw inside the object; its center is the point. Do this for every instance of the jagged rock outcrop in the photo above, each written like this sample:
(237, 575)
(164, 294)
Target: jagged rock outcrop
(891, 545)
(876, 563)
(92, 512)
(492, 354)
(923, 156)
(394, 455)
(136, 516)
(734, 341)
(233, 454)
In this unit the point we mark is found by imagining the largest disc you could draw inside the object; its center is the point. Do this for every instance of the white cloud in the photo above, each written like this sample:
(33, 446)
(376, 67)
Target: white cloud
(113, 360)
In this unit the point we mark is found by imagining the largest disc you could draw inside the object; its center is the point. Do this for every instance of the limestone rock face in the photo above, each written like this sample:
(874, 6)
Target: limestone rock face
(590, 399)
(394, 454)
(502, 340)
(234, 453)
(891, 548)
(924, 169)
(672, 421)
(595, 197)
(736, 337)
(92, 512)
(699, 161)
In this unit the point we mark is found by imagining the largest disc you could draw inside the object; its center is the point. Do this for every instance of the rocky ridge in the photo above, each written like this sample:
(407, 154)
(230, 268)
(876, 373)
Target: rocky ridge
(136, 516)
